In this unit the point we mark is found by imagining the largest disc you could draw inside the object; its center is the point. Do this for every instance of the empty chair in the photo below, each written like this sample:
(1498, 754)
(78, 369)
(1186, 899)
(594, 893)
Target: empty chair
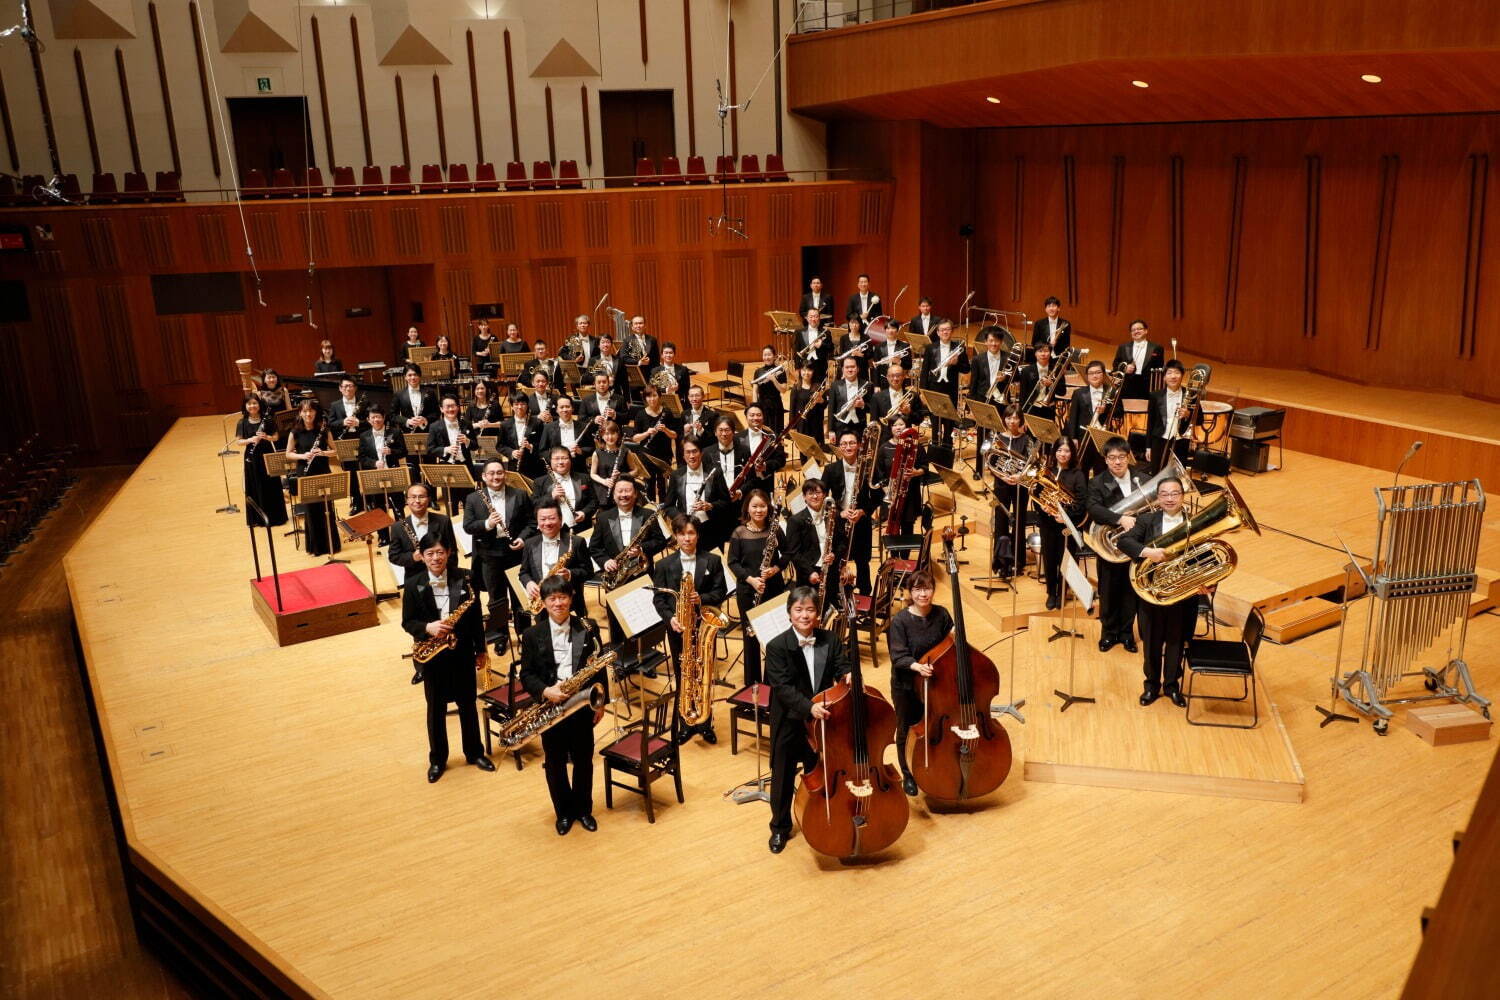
(750, 168)
(776, 168)
(696, 174)
(254, 185)
(541, 176)
(168, 186)
(515, 176)
(671, 171)
(645, 172)
(400, 180)
(567, 174)
(458, 177)
(1233, 660)
(371, 181)
(432, 178)
(283, 184)
(312, 183)
(724, 169)
(136, 188)
(484, 177)
(343, 181)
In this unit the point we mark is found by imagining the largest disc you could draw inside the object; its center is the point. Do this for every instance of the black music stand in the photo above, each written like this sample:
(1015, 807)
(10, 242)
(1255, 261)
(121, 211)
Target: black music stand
(1066, 632)
(324, 488)
(986, 416)
(450, 476)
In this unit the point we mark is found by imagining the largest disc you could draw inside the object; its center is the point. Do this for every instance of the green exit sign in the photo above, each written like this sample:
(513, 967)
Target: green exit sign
(263, 84)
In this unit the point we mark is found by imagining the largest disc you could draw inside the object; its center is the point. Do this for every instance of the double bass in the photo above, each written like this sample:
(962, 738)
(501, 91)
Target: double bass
(958, 751)
(852, 805)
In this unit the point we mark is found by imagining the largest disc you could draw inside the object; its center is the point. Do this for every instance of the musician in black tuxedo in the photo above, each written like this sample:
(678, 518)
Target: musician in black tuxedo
(1036, 390)
(680, 374)
(726, 453)
(854, 339)
(1052, 329)
(608, 363)
(540, 362)
(987, 368)
(604, 404)
(641, 346)
(419, 522)
(698, 418)
(450, 439)
(545, 549)
(767, 461)
(882, 401)
(892, 352)
(857, 505)
(925, 321)
(1087, 403)
(562, 485)
(414, 407)
(1170, 414)
(812, 333)
(1136, 358)
(800, 662)
(846, 410)
(1165, 629)
(588, 342)
(430, 596)
(380, 447)
(617, 527)
(521, 438)
(553, 650)
(816, 300)
(346, 415)
(499, 519)
(707, 571)
(573, 434)
(698, 490)
(864, 305)
(812, 537)
(1116, 599)
(942, 364)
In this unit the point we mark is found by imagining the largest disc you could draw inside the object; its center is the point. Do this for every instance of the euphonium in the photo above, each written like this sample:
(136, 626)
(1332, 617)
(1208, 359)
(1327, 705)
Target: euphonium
(1195, 558)
(1049, 494)
(581, 691)
(1006, 464)
(695, 685)
(1104, 538)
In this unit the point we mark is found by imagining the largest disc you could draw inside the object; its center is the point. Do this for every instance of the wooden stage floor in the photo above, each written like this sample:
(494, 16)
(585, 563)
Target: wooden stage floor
(283, 791)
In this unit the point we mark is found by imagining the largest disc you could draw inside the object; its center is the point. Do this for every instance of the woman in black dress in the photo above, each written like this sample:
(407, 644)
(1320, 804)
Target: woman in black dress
(310, 447)
(811, 423)
(513, 344)
(606, 461)
(654, 432)
(479, 347)
(768, 393)
(326, 361)
(256, 433)
(1062, 466)
(913, 632)
(413, 339)
(1009, 555)
(747, 553)
(483, 413)
(272, 393)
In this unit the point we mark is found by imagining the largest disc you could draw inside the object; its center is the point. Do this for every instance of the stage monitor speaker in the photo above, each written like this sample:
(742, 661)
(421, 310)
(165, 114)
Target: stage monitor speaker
(179, 294)
(1251, 423)
(1210, 463)
(1250, 456)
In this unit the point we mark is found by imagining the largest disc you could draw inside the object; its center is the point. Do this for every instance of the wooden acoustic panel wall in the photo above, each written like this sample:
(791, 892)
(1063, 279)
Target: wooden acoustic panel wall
(1355, 248)
(545, 256)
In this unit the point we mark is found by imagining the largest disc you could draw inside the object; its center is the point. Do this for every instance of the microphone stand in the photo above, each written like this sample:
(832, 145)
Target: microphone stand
(1416, 446)
(229, 507)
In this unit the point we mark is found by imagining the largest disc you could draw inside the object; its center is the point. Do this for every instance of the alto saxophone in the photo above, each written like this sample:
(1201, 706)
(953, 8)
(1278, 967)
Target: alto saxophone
(427, 648)
(563, 506)
(631, 559)
(581, 692)
(537, 603)
(695, 682)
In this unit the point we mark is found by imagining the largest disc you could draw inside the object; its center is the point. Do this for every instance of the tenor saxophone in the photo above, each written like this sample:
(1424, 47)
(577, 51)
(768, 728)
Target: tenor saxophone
(632, 558)
(427, 648)
(537, 603)
(695, 684)
(581, 691)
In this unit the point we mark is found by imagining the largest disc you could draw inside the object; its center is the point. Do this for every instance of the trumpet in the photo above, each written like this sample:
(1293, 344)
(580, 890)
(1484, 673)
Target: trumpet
(858, 348)
(846, 413)
(896, 407)
(810, 352)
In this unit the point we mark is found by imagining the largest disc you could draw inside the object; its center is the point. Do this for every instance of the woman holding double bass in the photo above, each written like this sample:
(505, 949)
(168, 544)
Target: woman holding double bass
(914, 632)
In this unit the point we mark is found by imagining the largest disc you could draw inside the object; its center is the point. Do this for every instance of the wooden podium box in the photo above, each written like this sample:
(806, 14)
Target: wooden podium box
(322, 601)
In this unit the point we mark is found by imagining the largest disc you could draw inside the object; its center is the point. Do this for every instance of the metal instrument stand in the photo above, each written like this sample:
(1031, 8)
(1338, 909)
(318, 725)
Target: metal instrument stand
(229, 507)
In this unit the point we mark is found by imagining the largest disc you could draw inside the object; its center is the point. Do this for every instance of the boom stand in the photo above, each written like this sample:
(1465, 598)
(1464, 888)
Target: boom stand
(324, 489)
(229, 507)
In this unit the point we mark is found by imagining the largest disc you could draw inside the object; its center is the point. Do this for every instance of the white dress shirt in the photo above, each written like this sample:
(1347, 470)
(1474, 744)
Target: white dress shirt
(1170, 521)
(808, 645)
(440, 594)
(1123, 484)
(416, 401)
(851, 480)
(945, 351)
(726, 464)
(567, 433)
(562, 647)
(692, 491)
(378, 437)
(1138, 355)
(551, 552)
(1171, 403)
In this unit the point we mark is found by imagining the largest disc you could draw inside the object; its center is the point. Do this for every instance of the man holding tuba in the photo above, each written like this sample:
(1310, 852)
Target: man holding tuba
(1165, 628)
(1106, 491)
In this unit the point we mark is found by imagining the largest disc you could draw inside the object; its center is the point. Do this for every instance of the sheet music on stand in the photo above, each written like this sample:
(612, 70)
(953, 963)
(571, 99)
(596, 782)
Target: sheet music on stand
(514, 364)
(769, 620)
(347, 450)
(570, 372)
(671, 403)
(634, 607)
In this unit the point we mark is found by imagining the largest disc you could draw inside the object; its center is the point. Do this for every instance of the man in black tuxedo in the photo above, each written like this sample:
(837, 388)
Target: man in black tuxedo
(450, 439)
(573, 434)
(1165, 629)
(1052, 329)
(1116, 599)
(800, 662)
(499, 519)
(617, 527)
(419, 522)
(680, 374)
(1034, 388)
(381, 447)
(1169, 415)
(846, 393)
(698, 491)
(545, 549)
(942, 364)
(539, 362)
(521, 438)
(346, 415)
(1087, 406)
(603, 404)
(414, 407)
(553, 650)
(925, 321)
(812, 333)
(882, 401)
(723, 451)
(769, 462)
(812, 538)
(707, 572)
(698, 418)
(429, 597)
(566, 488)
(818, 300)
(641, 346)
(857, 504)
(1136, 358)
(864, 305)
(985, 369)
(590, 344)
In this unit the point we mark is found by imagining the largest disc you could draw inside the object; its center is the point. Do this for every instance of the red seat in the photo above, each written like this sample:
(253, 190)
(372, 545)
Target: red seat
(484, 177)
(432, 178)
(312, 183)
(776, 168)
(282, 183)
(400, 180)
(343, 181)
(696, 174)
(671, 171)
(645, 172)
(541, 176)
(742, 708)
(255, 184)
(648, 754)
(371, 181)
(515, 176)
(136, 188)
(67, 186)
(724, 170)
(168, 185)
(458, 177)
(750, 168)
(567, 174)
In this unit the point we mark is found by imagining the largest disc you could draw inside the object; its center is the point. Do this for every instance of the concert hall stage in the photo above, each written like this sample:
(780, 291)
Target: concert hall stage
(276, 823)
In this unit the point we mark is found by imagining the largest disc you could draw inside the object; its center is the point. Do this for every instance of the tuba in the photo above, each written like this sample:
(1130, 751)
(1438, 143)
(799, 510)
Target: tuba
(529, 723)
(1195, 556)
(695, 685)
(1104, 538)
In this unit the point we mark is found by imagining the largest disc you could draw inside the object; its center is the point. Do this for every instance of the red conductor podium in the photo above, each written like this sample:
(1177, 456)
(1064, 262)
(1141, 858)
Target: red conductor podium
(313, 603)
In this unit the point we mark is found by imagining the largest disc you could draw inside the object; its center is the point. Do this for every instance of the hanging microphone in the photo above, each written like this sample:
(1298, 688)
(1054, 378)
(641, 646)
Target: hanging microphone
(1416, 446)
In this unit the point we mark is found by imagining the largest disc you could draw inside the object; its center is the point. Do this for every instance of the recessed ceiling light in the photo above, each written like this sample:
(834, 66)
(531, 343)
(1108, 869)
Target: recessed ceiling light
(1139, 83)
(1370, 78)
(993, 100)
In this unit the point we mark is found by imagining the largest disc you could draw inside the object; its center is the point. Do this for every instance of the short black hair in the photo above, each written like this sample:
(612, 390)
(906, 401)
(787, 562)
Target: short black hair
(815, 484)
(800, 594)
(410, 368)
(431, 539)
(1175, 365)
(1052, 300)
(1116, 444)
(556, 585)
(1142, 322)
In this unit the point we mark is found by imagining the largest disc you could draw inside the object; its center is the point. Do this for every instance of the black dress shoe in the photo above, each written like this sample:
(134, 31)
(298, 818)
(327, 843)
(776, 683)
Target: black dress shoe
(483, 763)
(416, 677)
(588, 822)
(564, 825)
(709, 736)
(1130, 646)
(434, 772)
(1175, 693)
(1053, 604)
(909, 785)
(1105, 645)
(1149, 695)
(778, 843)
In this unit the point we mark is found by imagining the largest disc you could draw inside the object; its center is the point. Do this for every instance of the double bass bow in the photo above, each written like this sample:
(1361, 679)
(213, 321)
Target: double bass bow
(958, 751)
(852, 804)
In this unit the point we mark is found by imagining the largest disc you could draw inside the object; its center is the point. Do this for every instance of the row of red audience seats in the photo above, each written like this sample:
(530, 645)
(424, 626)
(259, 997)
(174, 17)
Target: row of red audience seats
(32, 482)
(104, 192)
(724, 170)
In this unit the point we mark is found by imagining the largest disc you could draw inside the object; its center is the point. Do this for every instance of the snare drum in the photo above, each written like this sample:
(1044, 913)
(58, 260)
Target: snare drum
(1215, 425)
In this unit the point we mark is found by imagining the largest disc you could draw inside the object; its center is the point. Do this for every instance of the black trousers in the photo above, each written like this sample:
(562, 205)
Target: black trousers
(500, 595)
(860, 549)
(908, 710)
(1009, 532)
(1164, 634)
(439, 691)
(1117, 601)
(748, 600)
(570, 742)
(1161, 448)
(789, 750)
(1054, 539)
